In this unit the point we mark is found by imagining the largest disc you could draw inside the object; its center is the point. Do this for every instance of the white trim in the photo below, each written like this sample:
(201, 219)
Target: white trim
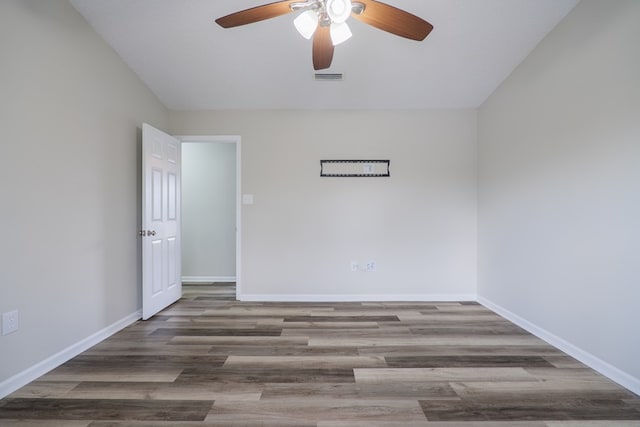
(238, 140)
(207, 279)
(39, 369)
(624, 379)
(357, 298)
(229, 139)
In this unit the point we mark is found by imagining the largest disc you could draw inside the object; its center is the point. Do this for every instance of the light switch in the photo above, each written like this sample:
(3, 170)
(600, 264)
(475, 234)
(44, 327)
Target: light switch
(247, 199)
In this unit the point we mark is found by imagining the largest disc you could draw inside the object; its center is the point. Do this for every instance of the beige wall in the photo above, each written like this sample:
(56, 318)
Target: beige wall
(303, 231)
(70, 113)
(559, 198)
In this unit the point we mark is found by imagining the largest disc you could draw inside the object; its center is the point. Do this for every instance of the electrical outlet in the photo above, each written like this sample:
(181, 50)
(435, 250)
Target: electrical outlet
(371, 266)
(354, 266)
(9, 322)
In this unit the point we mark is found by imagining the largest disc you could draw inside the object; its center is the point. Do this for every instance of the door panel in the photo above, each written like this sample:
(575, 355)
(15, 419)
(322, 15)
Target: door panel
(156, 194)
(156, 266)
(173, 197)
(173, 278)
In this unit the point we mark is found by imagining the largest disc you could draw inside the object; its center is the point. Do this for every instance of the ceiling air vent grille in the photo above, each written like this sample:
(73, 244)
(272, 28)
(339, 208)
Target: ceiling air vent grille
(328, 77)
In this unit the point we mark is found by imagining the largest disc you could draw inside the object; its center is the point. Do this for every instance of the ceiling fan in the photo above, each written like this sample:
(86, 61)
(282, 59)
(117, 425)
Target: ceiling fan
(325, 21)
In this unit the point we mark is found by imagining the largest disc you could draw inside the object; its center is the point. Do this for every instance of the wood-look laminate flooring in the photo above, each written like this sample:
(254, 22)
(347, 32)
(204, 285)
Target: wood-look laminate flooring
(209, 360)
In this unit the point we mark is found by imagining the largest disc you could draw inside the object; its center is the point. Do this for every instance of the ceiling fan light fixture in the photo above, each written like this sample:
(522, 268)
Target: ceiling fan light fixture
(340, 33)
(339, 10)
(324, 21)
(306, 23)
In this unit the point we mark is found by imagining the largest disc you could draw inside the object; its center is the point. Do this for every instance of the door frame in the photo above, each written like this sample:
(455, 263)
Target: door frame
(237, 140)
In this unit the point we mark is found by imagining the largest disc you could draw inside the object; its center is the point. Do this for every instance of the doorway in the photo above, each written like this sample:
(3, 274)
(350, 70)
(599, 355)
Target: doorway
(211, 209)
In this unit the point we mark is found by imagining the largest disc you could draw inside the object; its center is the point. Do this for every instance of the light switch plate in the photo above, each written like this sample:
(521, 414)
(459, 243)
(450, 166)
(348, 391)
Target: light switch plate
(247, 199)
(9, 322)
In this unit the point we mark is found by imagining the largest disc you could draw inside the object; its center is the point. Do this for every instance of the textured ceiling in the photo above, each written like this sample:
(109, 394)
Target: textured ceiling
(191, 63)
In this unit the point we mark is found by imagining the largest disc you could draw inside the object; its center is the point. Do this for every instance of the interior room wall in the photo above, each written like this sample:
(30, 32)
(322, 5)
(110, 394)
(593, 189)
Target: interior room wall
(302, 232)
(559, 191)
(208, 211)
(70, 114)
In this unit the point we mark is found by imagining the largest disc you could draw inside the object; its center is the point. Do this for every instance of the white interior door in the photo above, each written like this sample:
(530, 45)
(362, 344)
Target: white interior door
(161, 262)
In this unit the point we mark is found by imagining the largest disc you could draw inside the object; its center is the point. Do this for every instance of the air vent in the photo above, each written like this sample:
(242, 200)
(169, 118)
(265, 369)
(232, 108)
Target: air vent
(328, 77)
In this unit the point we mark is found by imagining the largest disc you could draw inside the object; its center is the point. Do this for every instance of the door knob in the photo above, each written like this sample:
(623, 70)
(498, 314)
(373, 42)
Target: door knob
(151, 233)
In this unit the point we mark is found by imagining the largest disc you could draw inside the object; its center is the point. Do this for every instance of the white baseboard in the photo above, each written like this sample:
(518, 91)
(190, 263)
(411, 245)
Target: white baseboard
(207, 279)
(36, 371)
(356, 298)
(628, 381)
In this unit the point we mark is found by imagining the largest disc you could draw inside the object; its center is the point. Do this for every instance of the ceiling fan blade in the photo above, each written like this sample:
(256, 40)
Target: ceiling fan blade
(393, 20)
(256, 14)
(322, 48)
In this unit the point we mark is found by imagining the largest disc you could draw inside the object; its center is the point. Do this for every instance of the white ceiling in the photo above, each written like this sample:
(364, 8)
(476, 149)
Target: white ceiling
(191, 63)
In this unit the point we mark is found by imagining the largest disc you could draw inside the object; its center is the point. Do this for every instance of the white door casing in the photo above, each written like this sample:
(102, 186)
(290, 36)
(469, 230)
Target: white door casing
(237, 140)
(161, 252)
